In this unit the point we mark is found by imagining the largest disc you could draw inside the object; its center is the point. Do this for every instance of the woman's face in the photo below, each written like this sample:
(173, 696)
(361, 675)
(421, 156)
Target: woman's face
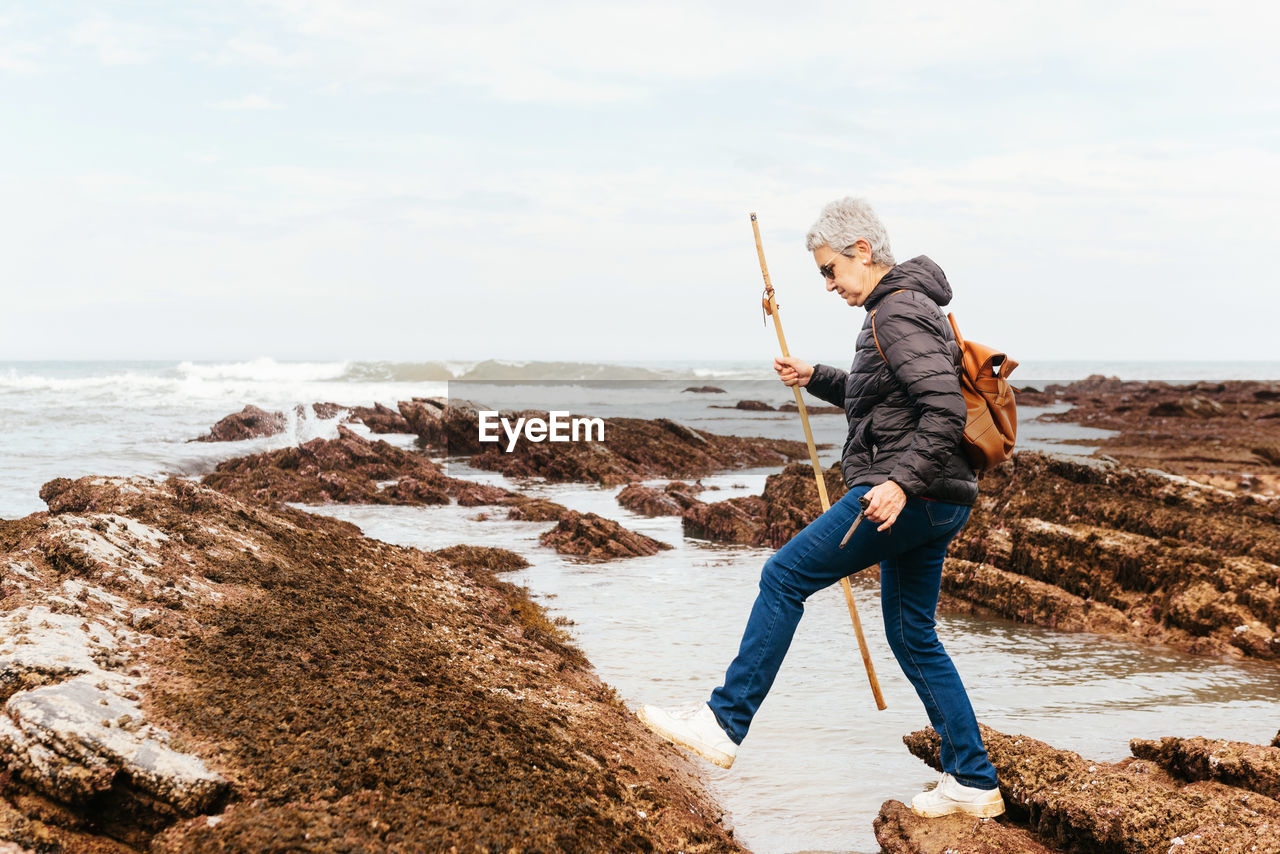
(850, 275)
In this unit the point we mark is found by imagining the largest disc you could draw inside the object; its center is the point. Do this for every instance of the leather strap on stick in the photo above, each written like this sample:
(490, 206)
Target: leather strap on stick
(771, 310)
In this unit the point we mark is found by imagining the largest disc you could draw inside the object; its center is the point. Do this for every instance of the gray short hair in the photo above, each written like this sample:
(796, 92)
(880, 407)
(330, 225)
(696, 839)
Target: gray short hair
(846, 221)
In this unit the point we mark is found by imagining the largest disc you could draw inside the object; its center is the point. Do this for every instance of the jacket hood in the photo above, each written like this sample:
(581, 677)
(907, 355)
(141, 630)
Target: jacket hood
(918, 274)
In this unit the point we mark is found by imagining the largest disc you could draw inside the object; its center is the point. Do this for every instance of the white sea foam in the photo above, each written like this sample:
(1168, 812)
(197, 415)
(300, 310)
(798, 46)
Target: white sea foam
(265, 370)
(15, 381)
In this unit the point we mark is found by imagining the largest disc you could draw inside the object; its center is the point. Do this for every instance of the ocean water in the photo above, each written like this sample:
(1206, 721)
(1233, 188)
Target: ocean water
(820, 759)
(66, 419)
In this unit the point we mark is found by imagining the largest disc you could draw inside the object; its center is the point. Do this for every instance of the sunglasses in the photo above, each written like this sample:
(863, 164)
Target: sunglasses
(828, 270)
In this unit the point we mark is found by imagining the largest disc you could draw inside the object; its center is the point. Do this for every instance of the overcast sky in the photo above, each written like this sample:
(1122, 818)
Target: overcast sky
(364, 179)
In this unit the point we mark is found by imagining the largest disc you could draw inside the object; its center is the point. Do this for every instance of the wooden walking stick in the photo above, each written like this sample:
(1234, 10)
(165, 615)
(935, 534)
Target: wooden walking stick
(771, 309)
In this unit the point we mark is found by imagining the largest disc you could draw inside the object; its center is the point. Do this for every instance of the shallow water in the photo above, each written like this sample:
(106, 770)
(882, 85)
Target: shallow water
(820, 759)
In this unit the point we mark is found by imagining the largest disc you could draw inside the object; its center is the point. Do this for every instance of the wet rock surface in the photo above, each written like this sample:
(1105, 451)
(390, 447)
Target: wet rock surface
(812, 410)
(632, 449)
(1220, 432)
(900, 831)
(1078, 544)
(594, 537)
(380, 419)
(787, 504)
(1072, 804)
(1089, 544)
(1246, 766)
(186, 672)
(346, 470)
(249, 423)
(535, 510)
(327, 410)
(670, 500)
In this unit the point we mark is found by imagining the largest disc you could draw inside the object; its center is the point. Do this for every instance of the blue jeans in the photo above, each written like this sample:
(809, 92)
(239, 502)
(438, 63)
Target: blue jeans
(910, 555)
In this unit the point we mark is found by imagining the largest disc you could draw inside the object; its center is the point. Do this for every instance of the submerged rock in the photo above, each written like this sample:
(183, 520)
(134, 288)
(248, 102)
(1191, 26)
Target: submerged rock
(183, 672)
(249, 423)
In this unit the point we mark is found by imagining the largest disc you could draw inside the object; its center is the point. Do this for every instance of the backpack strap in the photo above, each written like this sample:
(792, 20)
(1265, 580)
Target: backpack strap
(875, 337)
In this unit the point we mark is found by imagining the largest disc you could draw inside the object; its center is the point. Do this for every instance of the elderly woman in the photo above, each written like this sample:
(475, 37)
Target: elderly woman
(906, 417)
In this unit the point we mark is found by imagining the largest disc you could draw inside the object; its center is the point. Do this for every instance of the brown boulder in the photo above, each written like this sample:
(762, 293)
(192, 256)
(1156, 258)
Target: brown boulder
(668, 501)
(984, 589)
(249, 423)
(1088, 544)
(787, 504)
(900, 831)
(380, 419)
(594, 537)
(648, 501)
(812, 410)
(1129, 806)
(1187, 407)
(411, 490)
(632, 449)
(477, 494)
(422, 415)
(1235, 763)
(1202, 430)
(735, 520)
(534, 509)
(186, 672)
(1269, 454)
(325, 411)
(346, 470)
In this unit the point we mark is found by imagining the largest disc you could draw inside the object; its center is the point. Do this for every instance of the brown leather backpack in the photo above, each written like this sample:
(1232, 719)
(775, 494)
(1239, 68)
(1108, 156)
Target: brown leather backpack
(992, 424)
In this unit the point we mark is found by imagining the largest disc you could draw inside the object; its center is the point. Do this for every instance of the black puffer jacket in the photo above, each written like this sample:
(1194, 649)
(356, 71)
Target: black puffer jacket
(906, 417)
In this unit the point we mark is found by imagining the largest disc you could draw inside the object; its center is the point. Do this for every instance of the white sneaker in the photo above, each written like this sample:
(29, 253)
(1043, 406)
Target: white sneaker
(950, 797)
(695, 728)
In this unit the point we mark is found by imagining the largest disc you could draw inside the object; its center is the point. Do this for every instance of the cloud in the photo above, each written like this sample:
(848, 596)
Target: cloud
(253, 50)
(479, 158)
(18, 57)
(248, 102)
(572, 51)
(118, 42)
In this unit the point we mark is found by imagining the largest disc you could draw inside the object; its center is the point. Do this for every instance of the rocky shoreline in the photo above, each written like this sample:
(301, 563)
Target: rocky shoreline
(188, 672)
(1190, 796)
(1225, 434)
(200, 667)
(188, 667)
